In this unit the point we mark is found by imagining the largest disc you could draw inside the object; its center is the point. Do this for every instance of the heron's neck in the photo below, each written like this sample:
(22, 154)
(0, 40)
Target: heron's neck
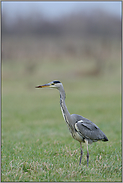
(65, 112)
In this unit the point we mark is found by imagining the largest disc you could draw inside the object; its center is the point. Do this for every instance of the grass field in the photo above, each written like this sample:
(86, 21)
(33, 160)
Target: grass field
(36, 144)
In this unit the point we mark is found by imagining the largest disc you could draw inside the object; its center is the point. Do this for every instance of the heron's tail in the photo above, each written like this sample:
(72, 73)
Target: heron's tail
(105, 139)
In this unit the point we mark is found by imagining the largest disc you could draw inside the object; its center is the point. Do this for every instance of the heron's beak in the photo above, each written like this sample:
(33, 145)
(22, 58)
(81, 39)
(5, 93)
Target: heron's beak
(42, 86)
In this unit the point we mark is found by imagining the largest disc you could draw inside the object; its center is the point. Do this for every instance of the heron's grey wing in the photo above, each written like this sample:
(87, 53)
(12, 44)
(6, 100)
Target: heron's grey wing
(88, 129)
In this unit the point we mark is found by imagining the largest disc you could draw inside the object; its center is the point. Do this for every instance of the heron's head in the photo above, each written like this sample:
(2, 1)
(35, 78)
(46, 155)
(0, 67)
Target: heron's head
(53, 84)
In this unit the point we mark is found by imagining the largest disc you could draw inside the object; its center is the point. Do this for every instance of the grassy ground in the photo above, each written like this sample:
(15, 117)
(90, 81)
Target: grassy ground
(36, 144)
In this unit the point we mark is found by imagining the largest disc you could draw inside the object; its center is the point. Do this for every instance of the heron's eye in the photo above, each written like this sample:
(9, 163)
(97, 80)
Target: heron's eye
(52, 84)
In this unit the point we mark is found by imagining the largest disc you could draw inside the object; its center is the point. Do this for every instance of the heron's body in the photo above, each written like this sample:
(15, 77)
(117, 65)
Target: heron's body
(81, 129)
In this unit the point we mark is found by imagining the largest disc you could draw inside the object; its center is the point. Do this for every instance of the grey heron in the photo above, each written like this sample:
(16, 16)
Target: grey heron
(81, 129)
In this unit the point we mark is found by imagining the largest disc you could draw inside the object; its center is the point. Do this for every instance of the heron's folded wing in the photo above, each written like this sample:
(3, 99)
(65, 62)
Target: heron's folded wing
(88, 130)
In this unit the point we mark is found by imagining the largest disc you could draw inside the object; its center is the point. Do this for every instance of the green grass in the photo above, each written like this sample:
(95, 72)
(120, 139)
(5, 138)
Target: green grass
(36, 144)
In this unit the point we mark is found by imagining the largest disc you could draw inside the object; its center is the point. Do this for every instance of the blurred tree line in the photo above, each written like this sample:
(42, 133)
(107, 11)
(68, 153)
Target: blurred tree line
(96, 23)
(92, 39)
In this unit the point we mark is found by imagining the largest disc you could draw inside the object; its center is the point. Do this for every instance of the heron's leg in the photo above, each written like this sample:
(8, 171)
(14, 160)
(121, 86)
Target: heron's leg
(86, 141)
(81, 153)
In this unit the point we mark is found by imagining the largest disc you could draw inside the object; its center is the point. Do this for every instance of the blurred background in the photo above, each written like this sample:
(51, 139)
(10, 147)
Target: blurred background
(60, 40)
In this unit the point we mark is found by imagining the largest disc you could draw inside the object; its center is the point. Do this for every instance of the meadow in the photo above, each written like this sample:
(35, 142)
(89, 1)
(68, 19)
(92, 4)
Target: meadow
(36, 143)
